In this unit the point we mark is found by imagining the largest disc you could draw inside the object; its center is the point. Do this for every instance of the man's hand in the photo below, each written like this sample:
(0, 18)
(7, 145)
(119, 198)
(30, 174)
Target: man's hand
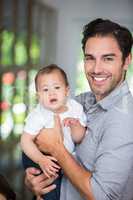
(38, 183)
(50, 138)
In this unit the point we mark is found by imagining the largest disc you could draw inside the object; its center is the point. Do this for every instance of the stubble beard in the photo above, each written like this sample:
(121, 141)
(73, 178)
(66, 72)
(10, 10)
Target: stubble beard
(105, 90)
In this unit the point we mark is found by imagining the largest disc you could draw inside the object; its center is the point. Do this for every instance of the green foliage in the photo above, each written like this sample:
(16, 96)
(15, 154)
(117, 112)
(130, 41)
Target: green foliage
(35, 50)
(20, 50)
(6, 48)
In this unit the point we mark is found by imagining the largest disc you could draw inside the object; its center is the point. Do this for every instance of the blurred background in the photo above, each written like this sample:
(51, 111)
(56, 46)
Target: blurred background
(34, 33)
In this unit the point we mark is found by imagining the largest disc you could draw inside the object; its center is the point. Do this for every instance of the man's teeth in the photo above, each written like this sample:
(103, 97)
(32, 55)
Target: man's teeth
(99, 79)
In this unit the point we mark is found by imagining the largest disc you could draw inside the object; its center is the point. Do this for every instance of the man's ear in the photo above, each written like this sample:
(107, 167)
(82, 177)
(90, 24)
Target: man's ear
(128, 61)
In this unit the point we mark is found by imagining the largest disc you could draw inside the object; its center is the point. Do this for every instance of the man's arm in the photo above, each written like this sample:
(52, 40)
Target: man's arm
(79, 177)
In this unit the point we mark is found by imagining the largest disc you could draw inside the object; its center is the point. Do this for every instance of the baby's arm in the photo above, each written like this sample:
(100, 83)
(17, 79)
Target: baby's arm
(46, 163)
(77, 129)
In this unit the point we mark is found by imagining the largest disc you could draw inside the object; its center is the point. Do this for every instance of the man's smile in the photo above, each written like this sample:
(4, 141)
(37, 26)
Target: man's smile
(99, 79)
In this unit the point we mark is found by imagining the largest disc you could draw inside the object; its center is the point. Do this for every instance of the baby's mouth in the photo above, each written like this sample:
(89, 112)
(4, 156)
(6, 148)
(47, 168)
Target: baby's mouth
(54, 100)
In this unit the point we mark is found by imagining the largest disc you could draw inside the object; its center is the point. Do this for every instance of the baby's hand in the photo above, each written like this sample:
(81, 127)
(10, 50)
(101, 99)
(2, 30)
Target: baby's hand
(71, 122)
(77, 129)
(48, 165)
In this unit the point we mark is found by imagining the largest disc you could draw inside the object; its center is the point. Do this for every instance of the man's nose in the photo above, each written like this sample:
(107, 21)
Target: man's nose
(97, 66)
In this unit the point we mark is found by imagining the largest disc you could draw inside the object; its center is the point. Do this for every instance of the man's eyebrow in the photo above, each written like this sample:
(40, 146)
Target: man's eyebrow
(109, 54)
(104, 55)
(86, 54)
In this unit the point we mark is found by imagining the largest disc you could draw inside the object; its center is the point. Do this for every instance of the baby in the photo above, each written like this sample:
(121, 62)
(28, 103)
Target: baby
(53, 95)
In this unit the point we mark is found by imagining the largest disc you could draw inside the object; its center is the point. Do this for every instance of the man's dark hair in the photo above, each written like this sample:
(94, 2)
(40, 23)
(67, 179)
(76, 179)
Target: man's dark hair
(5, 189)
(49, 69)
(101, 27)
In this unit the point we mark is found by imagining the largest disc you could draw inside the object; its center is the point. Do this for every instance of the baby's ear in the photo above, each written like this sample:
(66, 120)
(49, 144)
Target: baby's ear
(68, 90)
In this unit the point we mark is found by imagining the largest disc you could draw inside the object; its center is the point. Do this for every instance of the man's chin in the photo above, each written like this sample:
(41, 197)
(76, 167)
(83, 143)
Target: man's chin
(99, 94)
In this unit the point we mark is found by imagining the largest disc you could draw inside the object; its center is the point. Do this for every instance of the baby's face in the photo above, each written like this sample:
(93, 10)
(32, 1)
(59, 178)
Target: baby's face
(52, 91)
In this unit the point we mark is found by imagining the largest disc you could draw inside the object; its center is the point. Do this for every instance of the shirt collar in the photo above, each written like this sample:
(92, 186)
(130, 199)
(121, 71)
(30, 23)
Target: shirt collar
(114, 96)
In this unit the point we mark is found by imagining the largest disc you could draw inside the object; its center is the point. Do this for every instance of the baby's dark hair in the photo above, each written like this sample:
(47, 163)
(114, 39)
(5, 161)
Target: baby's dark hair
(49, 69)
(105, 27)
(5, 189)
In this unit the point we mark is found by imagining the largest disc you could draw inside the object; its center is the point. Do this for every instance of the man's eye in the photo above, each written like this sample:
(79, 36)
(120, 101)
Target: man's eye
(88, 58)
(108, 59)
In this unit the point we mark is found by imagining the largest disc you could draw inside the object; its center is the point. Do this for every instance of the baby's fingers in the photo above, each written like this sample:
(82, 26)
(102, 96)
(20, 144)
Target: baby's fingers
(53, 163)
(52, 158)
(46, 172)
(74, 121)
(50, 172)
(66, 121)
(55, 166)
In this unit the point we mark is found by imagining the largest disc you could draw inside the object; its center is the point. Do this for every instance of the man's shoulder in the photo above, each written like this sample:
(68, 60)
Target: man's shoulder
(83, 97)
(73, 102)
(121, 114)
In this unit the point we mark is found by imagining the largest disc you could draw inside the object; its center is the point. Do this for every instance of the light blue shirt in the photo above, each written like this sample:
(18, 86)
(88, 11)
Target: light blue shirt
(107, 149)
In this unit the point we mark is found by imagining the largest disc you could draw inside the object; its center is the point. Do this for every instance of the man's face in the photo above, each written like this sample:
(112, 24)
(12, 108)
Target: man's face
(104, 66)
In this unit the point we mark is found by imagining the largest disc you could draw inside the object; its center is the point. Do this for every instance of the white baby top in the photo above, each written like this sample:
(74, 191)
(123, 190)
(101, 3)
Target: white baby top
(41, 117)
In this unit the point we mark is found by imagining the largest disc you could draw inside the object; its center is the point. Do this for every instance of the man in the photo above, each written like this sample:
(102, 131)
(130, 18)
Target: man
(103, 167)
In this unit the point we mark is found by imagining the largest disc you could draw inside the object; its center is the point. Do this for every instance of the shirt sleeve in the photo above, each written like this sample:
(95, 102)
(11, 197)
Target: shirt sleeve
(33, 122)
(82, 116)
(79, 112)
(114, 159)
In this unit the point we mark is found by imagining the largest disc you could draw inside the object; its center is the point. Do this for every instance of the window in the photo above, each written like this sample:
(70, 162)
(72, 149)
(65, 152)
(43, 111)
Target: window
(21, 47)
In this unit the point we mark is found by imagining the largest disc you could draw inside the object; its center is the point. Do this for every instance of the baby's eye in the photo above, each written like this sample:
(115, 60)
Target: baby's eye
(57, 87)
(45, 89)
